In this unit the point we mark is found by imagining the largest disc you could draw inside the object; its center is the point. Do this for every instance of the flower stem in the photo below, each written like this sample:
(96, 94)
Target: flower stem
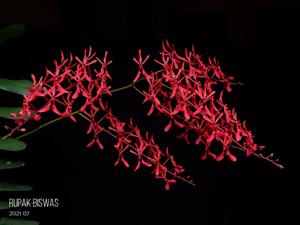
(126, 87)
(44, 125)
(38, 128)
(74, 113)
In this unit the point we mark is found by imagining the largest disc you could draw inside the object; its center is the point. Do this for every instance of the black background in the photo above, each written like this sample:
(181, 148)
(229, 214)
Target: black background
(257, 42)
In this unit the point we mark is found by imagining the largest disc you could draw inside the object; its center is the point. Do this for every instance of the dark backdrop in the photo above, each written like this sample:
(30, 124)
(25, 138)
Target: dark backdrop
(257, 42)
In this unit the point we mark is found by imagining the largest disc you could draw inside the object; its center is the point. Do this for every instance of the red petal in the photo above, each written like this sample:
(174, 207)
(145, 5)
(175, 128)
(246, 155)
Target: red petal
(157, 170)
(213, 155)
(90, 128)
(45, 108)
(211, 137)
(73, 118)
(101, 104)
(167, 186)
(92, 62)
(204, 156)
(186, 114)
(151, 110)
(198, 140)
(156, 100)
(55, 110)
(82, 109)
(33, 79)
(13, 115)
(137, 76)
(117, 146)
(173, 93)
(126, 164)
(228, 88)
(76, 94)
(117, 162)
(198, 110)
(36, 117)
(137, 166)
(248, 152)
(210, 95)
(238, 136)
(231, 157)
(227, 114)
(207, 111)
(206, 118)
(168, 127)
(220, 157)
(99, 144)
(91, 143)
(221, 97)
(178, 124)
(186, 138)
(147, 57)
(136, 61)
(146, 164)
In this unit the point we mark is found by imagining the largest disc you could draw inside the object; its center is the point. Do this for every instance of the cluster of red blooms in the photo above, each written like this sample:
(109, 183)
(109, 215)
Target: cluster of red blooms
(130, 142)
(186, 90)
(57, 90)
(82, 83)
(190, 93)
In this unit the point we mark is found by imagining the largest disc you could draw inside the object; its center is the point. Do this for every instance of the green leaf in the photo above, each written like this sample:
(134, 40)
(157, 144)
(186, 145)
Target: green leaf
(6, 111)
(8, 164)
(11, 144)
(4, 205)
(11, 31)
(5, 186)
(12, 221)
(15, 86)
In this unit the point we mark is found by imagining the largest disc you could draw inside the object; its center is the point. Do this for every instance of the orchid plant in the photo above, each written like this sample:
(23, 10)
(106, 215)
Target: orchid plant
(184, 89)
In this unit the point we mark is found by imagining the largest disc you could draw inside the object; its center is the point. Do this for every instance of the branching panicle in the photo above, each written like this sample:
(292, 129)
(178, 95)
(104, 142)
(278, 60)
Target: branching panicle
(190, 92)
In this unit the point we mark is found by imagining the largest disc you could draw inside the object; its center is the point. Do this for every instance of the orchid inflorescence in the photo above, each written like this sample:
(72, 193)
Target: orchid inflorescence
(189, 92)
(186, 90)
